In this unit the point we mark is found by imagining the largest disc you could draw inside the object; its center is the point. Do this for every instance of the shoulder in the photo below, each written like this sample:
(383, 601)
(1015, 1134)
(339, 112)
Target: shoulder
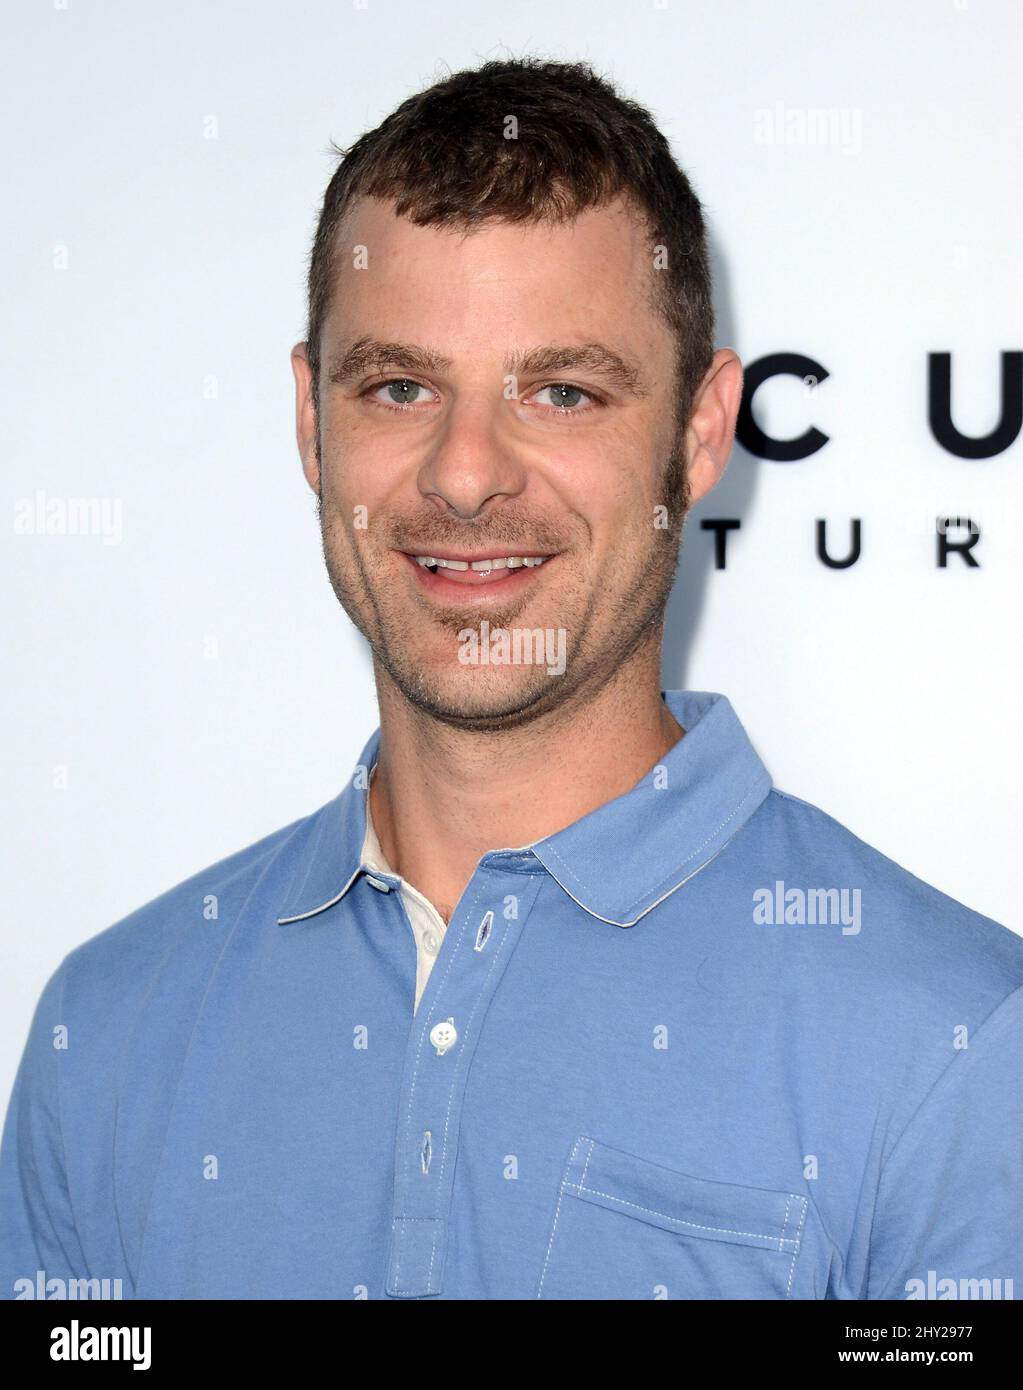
(919, 982)
(179, 932)
(920, 936)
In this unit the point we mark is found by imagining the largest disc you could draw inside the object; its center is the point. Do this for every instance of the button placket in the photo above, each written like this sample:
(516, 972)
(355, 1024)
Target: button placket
(474, 954)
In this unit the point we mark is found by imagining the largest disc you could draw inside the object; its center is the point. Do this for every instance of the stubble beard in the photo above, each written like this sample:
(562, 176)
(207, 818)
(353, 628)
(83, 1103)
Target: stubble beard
(479, 700)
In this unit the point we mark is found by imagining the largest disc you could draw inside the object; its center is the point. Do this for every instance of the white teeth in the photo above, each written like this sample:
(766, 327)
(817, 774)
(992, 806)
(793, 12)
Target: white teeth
(428, 562)
(512, 562)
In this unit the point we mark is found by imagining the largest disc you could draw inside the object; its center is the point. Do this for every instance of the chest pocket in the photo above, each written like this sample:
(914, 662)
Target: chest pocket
(626, 1228)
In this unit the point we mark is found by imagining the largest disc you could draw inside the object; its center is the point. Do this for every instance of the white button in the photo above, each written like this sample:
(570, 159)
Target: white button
(443, 1036)
(383, 887)
(430, 943)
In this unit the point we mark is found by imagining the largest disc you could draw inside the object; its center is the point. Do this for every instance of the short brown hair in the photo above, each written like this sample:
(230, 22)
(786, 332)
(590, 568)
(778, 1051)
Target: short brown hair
(443, 159)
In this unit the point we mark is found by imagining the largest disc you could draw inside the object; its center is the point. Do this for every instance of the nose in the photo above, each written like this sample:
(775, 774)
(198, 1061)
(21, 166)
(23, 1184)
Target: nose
(470, 463)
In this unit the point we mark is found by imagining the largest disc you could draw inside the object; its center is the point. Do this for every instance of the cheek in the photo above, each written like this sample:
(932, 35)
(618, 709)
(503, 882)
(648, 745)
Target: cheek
(615, 501)
(358, 469)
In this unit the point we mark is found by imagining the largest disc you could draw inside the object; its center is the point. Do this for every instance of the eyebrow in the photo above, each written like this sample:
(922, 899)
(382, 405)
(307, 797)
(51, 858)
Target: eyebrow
(367, 354)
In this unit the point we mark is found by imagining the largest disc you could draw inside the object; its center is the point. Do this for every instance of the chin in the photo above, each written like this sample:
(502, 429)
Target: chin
(492, 699)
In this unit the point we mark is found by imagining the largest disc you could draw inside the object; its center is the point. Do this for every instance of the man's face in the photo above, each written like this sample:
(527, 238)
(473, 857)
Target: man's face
(458, 442)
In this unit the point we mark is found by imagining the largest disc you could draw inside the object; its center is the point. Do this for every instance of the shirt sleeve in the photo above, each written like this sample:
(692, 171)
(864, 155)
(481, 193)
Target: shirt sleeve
(37, 1226)
(950, 1197)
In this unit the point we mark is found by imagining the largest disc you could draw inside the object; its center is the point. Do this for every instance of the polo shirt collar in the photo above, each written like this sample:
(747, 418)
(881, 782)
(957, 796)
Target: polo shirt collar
(617, 862)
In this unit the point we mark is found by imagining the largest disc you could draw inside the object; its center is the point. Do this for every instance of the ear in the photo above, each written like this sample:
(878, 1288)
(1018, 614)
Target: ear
(306, 427)
(711, 428)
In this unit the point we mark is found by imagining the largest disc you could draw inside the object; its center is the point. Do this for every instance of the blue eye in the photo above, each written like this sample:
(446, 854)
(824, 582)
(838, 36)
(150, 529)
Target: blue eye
(564, 396)
(401, 391)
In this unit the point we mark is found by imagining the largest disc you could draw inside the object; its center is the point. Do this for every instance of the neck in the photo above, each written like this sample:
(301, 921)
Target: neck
(441, 796)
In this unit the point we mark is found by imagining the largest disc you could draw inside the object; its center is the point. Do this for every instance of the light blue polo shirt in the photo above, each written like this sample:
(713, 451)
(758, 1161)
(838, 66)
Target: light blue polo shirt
(703, 1043)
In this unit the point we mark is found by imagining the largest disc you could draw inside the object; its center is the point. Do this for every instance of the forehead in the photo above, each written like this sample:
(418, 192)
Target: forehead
(583, 274)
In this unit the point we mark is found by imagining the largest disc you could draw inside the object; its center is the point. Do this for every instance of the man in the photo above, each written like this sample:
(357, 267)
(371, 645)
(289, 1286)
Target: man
(559, 998)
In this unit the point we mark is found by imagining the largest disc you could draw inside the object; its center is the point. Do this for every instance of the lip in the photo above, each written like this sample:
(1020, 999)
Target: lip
(460, 584)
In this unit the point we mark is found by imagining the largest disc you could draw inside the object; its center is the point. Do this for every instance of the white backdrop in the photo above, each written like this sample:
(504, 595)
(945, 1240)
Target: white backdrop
(182, 681)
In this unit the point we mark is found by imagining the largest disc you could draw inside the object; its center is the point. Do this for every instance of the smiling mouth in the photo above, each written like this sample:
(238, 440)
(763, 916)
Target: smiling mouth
(445, 572)
(495, 562)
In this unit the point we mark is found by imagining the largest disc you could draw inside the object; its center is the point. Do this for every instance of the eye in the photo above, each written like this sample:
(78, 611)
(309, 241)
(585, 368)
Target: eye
(566, 398)
(401, 393)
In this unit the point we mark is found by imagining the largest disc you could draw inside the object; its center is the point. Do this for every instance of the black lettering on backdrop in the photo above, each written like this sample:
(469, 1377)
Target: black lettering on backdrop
(748, 432)
(960, 548)
(939, 408)
(822, 545)
(720, 526)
